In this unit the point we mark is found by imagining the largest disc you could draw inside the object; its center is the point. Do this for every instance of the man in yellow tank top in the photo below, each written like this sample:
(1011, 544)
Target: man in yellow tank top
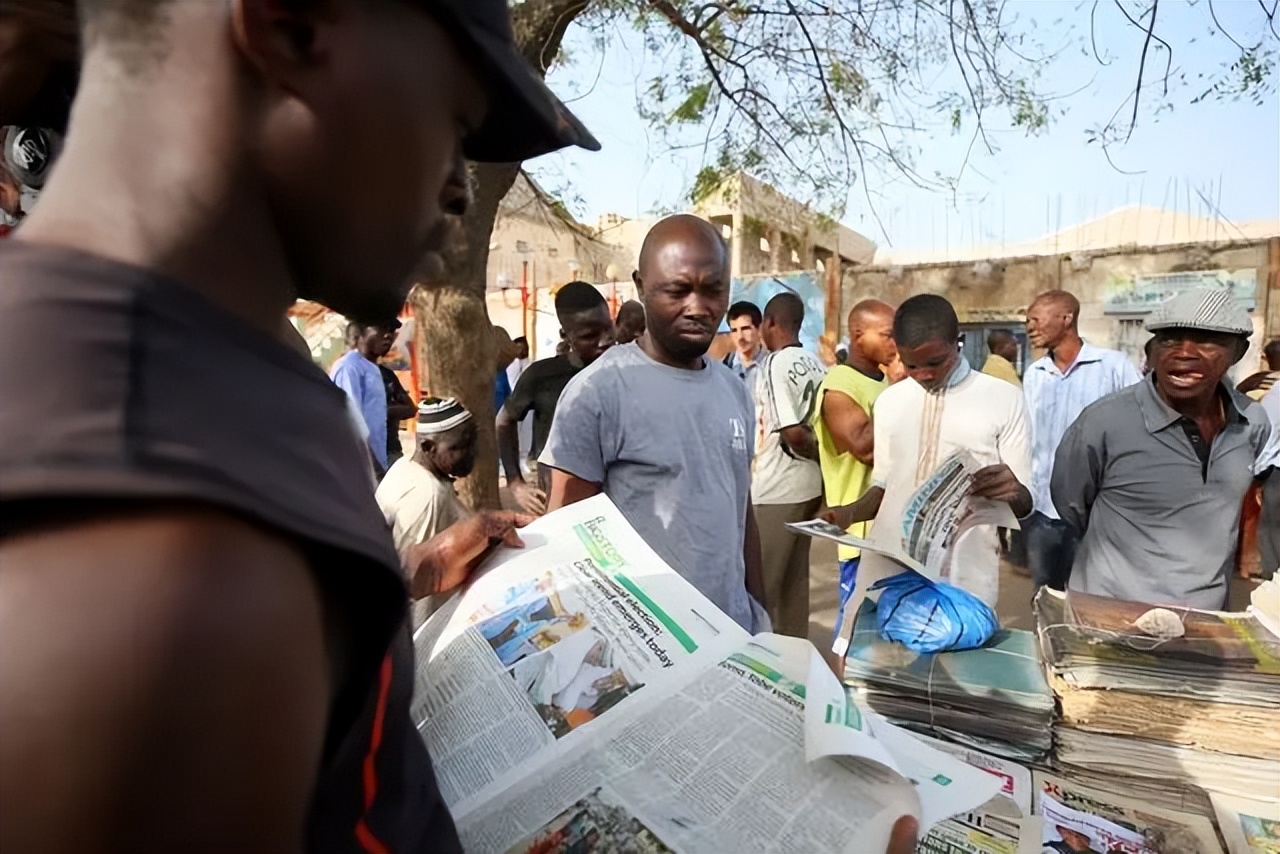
(842, 422)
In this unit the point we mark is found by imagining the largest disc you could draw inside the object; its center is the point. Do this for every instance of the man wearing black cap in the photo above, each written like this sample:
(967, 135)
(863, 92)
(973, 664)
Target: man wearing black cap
(203, 639)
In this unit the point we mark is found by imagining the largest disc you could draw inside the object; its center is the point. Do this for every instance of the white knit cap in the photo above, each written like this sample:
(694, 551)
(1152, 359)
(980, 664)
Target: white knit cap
(438, 415)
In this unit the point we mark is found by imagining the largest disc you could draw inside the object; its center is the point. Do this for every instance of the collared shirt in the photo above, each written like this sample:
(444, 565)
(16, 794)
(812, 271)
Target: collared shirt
(1158, 525)
(745, 371)
(1002, 369)
(1056, 398)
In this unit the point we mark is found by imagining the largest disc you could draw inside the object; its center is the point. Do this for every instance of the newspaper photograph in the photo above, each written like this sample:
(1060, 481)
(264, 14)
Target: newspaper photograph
(722, 765)
(551, 638)
(1091, 819)
(936, 516)
(1249, 826)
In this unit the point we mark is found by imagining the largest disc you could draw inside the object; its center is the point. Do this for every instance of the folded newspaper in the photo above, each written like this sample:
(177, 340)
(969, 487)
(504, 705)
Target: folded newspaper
(936, 516)
(581, 695)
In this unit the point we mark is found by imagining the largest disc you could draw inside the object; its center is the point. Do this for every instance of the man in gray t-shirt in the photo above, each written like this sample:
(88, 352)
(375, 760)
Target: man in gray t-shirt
(667, 433)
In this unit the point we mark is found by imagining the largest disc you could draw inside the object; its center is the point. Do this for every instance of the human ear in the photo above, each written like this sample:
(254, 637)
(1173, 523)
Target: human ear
(281, 38)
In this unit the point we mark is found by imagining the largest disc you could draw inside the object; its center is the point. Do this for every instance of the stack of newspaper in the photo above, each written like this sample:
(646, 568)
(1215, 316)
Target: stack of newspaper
(1174, 694)
(994, 698)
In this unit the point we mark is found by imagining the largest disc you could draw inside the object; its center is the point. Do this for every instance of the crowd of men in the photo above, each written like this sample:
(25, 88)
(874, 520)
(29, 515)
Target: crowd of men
(205, 639)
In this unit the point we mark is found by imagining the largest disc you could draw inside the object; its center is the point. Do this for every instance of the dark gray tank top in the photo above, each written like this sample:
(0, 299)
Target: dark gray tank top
(117, 384)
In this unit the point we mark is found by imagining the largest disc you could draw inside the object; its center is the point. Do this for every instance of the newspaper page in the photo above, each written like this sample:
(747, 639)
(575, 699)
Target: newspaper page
(1077, 818)
(1003, 825)
(551, 638)
(721, 765)
(1249, 826)
(935, 517)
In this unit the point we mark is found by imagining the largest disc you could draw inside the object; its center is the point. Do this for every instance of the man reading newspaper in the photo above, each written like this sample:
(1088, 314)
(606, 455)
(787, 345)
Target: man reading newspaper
(944, 407)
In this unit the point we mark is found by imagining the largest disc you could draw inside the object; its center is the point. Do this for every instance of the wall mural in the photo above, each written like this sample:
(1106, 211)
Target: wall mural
(760, 289)
(1142, 294)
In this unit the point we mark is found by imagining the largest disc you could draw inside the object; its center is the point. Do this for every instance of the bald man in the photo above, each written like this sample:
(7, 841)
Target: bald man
(666, 432)
(1058, 386)
(843, 421)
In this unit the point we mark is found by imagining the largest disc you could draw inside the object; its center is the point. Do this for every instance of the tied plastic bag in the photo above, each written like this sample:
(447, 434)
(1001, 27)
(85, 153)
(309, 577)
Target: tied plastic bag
(932, 616)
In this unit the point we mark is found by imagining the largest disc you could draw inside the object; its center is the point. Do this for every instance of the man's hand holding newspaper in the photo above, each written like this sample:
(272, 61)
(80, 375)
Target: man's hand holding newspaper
(582, 695)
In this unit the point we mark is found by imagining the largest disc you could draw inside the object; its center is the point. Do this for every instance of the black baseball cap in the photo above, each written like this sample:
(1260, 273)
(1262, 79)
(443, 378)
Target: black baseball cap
(524, 119)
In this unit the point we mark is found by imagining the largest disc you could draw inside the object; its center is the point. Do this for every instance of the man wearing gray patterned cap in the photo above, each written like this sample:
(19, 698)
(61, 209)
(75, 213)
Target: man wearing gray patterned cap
(1153, 476)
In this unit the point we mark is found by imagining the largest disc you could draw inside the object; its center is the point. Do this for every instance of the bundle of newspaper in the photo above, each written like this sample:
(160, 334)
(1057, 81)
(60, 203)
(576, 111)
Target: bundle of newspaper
(1171, 693)
(994, 698)
(582, 696)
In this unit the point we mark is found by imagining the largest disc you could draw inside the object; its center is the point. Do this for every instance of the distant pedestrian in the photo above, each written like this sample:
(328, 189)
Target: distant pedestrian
(630, 321)
(666, 432)
(524, 432)
(843, 423)
(1257, 385)
(1153, 477)
(945, 406)
(744, 330)
(356, 373)
(588, 330)
(400, 406)
(786, 480)
(417, 497)
(1002, 348)
(1058, 386)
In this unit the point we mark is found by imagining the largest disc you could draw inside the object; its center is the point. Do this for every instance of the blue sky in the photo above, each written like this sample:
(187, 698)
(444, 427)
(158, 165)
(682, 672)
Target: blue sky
(1229, 152)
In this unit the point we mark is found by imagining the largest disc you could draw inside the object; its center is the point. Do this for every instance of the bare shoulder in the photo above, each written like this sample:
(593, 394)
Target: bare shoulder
(169, 656)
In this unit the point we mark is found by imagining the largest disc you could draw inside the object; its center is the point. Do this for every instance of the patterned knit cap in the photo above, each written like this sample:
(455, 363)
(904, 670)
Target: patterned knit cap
(440, 414)
(1206, 309)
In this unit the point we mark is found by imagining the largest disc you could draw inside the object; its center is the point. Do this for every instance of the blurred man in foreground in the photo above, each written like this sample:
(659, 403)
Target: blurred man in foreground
(194, 496)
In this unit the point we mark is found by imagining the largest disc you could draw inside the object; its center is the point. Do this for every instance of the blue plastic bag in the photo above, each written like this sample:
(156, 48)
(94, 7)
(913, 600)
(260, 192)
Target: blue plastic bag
(932, 616)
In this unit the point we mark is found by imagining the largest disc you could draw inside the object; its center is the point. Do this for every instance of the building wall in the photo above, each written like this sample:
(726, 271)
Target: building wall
(999, 290)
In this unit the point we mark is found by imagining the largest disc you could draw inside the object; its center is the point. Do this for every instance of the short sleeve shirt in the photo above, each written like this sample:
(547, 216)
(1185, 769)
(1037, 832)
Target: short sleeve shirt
(1159, 524)
(538, 391)
(672, 449)
(786, 393)
(362, 381)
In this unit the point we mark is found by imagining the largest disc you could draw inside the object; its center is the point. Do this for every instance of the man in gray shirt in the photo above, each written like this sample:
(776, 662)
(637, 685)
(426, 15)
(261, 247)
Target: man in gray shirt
(665, 432)
(1154, 475)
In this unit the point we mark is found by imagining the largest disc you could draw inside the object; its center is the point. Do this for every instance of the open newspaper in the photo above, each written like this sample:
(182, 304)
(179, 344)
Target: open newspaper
(581, 694)
(936, 516)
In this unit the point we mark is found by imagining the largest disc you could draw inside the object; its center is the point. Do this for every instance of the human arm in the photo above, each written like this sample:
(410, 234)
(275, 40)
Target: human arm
(800, 440)
(445, 561)
(568, 489)
(400, 406)
(526, 494)
(849, 425)
(1077, 473)
(751, 557)
(575, 449)
(1251, 382)
(862, 510)
(1006, 480)
(140, 711)
(998, 483)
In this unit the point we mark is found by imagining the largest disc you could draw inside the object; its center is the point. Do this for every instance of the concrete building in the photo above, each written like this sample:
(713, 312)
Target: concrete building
(1119, 266)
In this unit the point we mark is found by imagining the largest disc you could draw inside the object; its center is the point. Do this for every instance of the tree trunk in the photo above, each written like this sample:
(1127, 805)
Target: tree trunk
(457, 352)
(456, 347)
